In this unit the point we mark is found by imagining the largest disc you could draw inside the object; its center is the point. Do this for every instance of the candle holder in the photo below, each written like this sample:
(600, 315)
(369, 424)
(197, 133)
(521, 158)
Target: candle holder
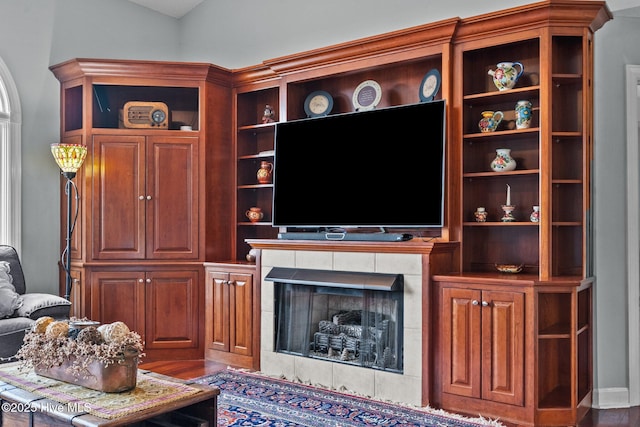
(508, 215)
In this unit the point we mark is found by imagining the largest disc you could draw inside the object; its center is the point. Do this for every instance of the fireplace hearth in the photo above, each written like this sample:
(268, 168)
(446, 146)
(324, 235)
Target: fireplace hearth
(343, 317)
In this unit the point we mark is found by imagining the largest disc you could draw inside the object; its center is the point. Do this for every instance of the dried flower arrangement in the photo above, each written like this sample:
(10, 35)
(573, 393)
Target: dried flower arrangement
(52, 343)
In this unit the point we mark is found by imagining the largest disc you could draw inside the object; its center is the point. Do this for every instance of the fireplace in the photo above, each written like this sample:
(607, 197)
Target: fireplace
(402, 383)
(352, 318)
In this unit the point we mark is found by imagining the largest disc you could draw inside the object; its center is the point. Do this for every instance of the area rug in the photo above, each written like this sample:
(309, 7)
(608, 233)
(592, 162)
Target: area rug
(253, 399)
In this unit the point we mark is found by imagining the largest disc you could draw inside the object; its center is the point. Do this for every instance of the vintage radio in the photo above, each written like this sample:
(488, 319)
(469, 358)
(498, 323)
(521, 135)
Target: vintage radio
(142, 114)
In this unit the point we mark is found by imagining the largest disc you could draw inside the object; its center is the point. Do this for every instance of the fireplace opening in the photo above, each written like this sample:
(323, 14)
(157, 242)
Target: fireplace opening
(343, 317)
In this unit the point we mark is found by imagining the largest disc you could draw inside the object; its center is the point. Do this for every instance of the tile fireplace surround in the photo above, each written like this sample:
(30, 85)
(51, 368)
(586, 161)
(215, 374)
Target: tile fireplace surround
(405, 387)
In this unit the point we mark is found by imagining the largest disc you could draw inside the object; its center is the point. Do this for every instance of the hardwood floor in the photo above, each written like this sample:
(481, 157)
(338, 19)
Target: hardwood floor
(187, 369)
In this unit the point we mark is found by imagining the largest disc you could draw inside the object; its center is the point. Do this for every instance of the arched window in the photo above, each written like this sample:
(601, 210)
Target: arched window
(10, 161)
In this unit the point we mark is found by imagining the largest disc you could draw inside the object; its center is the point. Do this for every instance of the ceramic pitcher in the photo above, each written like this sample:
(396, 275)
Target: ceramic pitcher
(506, 74)
(265, 172)
(490, 120)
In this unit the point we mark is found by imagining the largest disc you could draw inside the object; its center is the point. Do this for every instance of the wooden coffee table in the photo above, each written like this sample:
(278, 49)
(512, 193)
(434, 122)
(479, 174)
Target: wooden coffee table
(23, 408)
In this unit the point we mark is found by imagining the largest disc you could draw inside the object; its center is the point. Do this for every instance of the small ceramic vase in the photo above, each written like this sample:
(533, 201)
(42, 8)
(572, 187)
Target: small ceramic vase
(503, 161)
(535, 215)
(265, 172)
(480, 214)
(490, 121)
(254, 214)
(506, 75)
(523, 114)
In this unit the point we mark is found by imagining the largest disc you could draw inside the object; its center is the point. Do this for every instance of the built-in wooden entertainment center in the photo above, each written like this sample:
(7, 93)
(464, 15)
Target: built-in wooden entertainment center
(162, 237)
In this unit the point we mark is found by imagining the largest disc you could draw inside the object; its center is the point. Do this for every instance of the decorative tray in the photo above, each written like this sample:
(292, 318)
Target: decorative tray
(509, 268)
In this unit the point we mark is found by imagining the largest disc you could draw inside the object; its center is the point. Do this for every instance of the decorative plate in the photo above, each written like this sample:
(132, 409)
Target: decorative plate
(430, 86)
(509, 268)
(367, 95)
(81, 324)
(318, 103)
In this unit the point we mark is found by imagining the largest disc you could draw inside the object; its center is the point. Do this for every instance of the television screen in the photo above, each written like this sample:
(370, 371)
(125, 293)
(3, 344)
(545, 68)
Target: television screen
(378, 168)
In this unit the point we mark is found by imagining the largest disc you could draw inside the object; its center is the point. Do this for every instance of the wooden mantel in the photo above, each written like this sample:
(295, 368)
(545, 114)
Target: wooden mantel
(414, 246)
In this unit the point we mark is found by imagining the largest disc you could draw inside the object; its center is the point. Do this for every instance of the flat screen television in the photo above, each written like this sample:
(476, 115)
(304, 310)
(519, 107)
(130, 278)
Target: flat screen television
(381, 168)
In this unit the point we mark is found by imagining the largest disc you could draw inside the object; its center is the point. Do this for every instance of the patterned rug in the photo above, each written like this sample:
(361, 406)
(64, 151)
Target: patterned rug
(148, 393)
(251, 399)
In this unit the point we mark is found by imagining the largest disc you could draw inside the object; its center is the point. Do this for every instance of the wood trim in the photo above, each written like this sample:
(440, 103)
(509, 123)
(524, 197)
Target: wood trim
(151, 70)
(415, 246)
(406, 40)
(593, 14)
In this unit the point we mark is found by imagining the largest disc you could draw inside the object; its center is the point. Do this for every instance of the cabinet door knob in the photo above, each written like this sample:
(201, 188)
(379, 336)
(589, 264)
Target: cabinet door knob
(231, 282)
(148, 197)
(141, 197)
(140, 280)
(148, 280)
(475, 302)
(485, 304)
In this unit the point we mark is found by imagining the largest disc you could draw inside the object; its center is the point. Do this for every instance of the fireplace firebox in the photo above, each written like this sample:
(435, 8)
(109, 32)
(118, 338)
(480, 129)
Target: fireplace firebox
(344, 317)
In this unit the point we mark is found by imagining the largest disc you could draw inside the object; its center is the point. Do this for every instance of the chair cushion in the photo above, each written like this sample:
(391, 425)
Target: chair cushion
(9, 254)
(10, 300)
(12, 333)
(36, 305)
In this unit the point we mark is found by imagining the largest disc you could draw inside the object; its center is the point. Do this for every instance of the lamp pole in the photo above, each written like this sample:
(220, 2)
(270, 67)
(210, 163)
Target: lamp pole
(69, 157)
(67, 262)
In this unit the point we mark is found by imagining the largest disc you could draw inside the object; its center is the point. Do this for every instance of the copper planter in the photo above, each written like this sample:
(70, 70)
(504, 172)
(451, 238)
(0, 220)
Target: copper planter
(114, 378)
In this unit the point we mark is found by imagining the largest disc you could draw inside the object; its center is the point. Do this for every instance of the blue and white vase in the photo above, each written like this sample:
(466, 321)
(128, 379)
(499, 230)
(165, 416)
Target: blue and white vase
(523, 114)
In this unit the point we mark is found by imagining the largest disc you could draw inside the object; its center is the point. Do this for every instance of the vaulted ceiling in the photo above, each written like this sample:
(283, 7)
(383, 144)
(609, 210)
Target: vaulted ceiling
(173, 8)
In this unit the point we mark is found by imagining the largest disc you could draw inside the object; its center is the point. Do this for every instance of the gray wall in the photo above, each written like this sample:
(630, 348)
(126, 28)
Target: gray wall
(616, 46)
(236, 33)
(36, 34)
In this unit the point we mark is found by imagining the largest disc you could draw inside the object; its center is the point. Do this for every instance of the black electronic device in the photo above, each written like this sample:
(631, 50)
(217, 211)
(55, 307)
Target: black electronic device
(345, 236)
(380, 168)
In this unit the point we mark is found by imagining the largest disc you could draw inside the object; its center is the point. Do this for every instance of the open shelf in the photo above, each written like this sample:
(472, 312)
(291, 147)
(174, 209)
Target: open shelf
(254, 144)
(109, 100)
(554, 367)
(400, 83)
(72, 109)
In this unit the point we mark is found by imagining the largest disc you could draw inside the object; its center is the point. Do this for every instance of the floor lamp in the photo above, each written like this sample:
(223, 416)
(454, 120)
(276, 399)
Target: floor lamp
(69, 157)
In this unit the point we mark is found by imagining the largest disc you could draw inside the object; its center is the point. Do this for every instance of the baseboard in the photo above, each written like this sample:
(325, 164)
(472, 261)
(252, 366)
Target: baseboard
(609, 398)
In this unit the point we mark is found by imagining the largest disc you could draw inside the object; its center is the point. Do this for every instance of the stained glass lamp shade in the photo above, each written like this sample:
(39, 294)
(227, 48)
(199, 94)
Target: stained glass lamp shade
(69, 157)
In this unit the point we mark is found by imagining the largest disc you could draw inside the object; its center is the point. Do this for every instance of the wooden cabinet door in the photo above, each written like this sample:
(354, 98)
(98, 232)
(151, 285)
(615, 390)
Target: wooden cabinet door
(229, 313)
(217, 311)
(241, 313)
(118, 296)
(483, 344)
(503, 347)
(119, 197)
(461, 323)
(172, 198)
(171, 309)
(146, 197)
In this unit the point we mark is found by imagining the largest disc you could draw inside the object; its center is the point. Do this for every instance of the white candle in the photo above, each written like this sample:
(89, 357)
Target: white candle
(508, 195)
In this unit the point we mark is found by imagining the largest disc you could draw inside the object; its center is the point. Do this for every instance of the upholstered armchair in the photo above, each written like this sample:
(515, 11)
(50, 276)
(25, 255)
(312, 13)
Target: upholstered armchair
(19, 309)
